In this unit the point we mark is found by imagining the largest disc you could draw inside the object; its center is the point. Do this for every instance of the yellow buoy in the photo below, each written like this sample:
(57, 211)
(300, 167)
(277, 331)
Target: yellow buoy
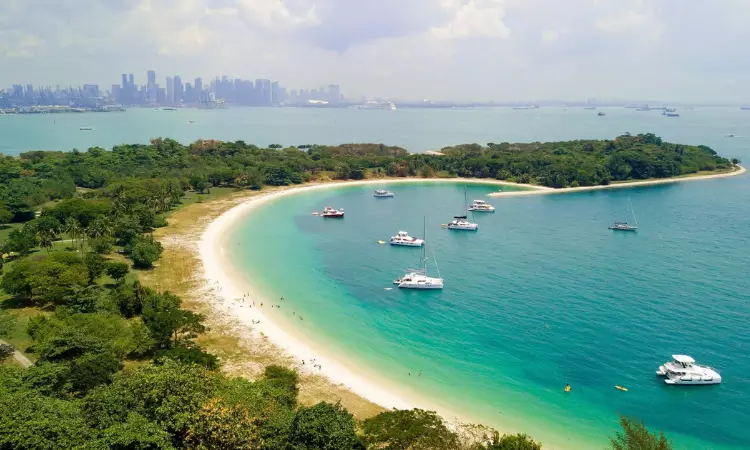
(621, 388)
(567, 388)
(381, 242)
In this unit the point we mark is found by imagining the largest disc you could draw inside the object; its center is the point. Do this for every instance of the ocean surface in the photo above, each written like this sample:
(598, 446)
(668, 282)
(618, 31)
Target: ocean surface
(415, 129)
(542, 295)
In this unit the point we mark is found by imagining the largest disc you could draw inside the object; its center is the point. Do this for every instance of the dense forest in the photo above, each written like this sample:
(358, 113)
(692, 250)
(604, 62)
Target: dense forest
(116, 364)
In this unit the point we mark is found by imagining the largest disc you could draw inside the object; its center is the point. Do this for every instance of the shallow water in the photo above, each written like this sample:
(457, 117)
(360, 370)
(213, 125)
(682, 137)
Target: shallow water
(544, 294)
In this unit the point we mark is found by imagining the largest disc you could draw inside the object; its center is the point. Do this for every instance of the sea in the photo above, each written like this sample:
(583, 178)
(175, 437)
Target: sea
(542, 295)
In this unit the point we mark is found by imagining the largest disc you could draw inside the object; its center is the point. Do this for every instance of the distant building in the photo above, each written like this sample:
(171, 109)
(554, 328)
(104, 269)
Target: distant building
(170, 90)
(151, 85)
(334, 94)
(178, 89)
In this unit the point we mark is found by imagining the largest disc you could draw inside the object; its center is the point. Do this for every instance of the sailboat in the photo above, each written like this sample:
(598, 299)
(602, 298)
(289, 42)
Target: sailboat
(461, 222)
(418, 278)
(624, 226)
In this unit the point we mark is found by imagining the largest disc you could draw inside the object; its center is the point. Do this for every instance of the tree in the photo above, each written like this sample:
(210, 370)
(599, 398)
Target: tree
(635, 436)
(136, 433)
(144, 251)
(19, 241)
(32, 421)
(95, 266)
(513, 442)
(190, 355)
(5, 215)
(412, 429)
(73, 228)
(117, 270)
(255, 179)
(6, 351)
(55, 278)
(101, 245)
(169, 324)
(220, 425)
(285, 380)
(7, 322)
(324, 427)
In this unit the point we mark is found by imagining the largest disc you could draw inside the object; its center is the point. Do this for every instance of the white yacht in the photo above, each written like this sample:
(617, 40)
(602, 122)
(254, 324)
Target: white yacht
(481, 206)
(403, 238)
(382, 193)
(418, 278)
(460, 223)
(333, 213)
(683, 370)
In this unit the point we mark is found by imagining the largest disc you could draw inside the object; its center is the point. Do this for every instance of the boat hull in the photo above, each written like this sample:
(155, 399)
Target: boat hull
(482, 210)
(463, 227)
(692, 381)
(407, 244)
(421, 286)
(332, 216)
(383, 196)
(623, 229)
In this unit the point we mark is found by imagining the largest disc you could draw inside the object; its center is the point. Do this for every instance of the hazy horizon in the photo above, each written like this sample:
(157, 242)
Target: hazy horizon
(502, 50)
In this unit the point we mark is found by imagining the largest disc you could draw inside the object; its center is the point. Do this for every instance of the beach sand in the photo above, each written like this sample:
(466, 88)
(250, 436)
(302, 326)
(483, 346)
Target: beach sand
(630, 184)
(246, 338)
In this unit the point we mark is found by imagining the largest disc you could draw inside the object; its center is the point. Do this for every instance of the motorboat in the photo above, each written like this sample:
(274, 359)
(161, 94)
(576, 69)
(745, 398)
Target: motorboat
(418, 278)
(460, 223)
(85, 128)
(683, 370)
(403, 238)
(481, 206)
(601, 113)
(332, 213)
(382, 193)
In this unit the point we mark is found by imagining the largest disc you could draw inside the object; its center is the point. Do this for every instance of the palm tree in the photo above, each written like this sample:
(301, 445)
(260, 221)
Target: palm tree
(73, 228)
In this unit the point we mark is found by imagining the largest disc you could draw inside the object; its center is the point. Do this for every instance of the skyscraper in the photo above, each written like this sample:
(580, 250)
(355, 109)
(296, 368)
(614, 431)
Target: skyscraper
(198, 90)
(170, 90)
(275, 93)
(151, 85)
(124, 81)
(178, 89)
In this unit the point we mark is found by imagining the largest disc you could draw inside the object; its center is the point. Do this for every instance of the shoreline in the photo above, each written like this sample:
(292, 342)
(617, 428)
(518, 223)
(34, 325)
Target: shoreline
(234, 293)
(626, 184)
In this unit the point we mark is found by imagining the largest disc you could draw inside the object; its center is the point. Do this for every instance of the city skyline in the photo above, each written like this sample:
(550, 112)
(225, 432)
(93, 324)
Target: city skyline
(174, 91)
(478, 50)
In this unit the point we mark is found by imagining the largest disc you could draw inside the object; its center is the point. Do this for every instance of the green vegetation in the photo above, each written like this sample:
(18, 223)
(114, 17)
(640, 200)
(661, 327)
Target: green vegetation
(117, 365)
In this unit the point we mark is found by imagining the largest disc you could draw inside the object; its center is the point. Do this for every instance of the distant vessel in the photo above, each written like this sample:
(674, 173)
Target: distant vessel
(623, 226)
(372, 104)
(526, 107)
(745, 108)
(85, 128)
(403, 238)
(670, 114)
(481, 206)
(683, 370)
(643, 108)
(461, 222)
(589, 107)
(169, 109)
(332, 213)
(418, 278)
(601, 113)
(382, 193)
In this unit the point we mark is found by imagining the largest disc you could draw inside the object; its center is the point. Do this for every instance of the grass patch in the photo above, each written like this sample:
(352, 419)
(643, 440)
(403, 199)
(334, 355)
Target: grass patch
(192, 197)
(6, 229)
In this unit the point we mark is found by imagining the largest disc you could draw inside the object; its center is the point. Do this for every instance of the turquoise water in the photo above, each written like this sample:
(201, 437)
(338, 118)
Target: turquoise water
(544, 294)
(541, 296)
(415, 129)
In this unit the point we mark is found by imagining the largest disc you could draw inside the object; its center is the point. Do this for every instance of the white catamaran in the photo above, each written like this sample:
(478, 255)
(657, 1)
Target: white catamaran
(462, 222)
(418, 278)
(624, 226)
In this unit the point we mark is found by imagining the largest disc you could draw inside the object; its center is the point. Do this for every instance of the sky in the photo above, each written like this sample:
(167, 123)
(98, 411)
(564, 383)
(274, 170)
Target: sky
(681, 50)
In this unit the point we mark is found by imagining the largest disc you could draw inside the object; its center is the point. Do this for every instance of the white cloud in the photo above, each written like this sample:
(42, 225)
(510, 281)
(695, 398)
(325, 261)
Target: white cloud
(477, 18)
(391, 48)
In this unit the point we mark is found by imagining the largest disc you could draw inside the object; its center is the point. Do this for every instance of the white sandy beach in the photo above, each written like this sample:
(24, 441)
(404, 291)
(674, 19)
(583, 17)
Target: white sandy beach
(236, 293)
(538, 190)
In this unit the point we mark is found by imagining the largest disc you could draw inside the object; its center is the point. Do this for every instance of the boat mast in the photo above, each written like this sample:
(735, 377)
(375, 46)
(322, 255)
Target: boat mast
(632, 211)
(424, 245)
(466, 205)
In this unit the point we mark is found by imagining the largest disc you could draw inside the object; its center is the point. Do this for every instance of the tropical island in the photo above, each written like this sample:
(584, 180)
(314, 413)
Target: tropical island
(104, 348)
